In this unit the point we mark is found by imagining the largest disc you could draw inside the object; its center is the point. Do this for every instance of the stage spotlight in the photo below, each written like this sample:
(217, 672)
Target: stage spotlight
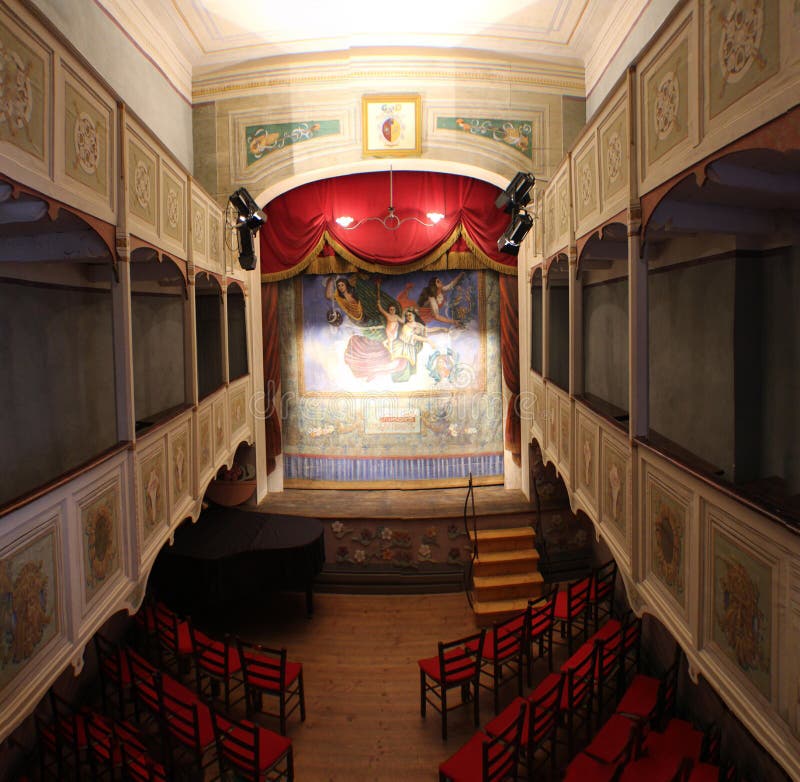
(517, 194)
(248, 210)
(247, 252)
(512, 237)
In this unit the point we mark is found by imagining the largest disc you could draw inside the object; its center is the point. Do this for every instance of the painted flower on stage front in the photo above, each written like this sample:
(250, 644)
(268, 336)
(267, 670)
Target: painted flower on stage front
(101, 543)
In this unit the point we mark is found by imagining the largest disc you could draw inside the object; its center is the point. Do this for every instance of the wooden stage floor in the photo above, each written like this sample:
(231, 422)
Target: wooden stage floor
(395, 504)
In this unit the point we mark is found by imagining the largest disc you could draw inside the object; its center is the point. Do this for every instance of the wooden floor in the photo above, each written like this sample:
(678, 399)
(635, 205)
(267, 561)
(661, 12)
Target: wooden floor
(359, 655)
(389, 504)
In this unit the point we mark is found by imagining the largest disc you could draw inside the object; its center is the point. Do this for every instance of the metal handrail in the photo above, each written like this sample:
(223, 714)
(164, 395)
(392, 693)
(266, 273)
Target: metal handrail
(474, 556)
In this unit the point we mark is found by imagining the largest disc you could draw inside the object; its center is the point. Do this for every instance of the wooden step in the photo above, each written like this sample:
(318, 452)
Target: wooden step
(489, 611)
(503, 563)
(507, 539)
(527, 585)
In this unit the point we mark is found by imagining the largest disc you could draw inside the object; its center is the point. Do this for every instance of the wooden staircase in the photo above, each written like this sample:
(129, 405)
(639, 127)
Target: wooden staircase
(505, 572)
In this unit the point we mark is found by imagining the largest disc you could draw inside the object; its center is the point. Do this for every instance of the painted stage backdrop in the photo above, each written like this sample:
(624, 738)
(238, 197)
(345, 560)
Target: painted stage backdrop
(390, 379)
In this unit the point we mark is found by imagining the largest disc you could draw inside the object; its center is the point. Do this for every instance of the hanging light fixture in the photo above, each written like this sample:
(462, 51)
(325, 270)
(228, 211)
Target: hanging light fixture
(390, 221)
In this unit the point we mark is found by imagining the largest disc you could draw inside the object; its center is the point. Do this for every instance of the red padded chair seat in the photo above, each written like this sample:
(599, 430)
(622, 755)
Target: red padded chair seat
(607, 630)
(211, 663)
(612, 739)
(578, 657)
(467, 764)
(651, 769)
(641, 697)
(185, 645)
(704, 772)
(271, 745)
(504, 719)
(271, 683)
(582, 768)
(187, 698)
(679, 738)
(432, 668)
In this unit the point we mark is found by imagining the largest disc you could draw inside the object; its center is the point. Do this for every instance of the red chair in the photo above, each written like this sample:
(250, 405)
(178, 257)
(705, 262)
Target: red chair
(606, 675)
(145, 687)
(62, 740)
(541, 617)
(609, 751)
(572, 611)
(251, 752)
(115, 675)
(217, 665)
(455, 666)
(577, 696)
(601, 594)
(106, 738)
(174, 641)
(649, 698)
(267, 672)
(711, 772)
(540, 729)
(502, 655)
(189, 728)
(487, 758)
(630, 653)
(141, 767)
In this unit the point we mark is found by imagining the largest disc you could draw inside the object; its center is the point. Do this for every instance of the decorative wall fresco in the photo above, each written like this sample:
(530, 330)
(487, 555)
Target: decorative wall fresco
(198, 227)
(586, 182)
(667, 102)
(172, 207)
(391, 378)
(564, 431)
(29, 609)
(398, 544)
(614, 478)
(742, 609)
(214, 243)
(219, 426)
(614, 156)
(667, 521)
(238, 409)
(180, 453)
(261, 140)
(586, 462)
(23, 91)
(100, 520)
(743, 49)
(562, 196)
(522, 135)
(204, 425)
(141, 183)
(152, 482)
(86, 142)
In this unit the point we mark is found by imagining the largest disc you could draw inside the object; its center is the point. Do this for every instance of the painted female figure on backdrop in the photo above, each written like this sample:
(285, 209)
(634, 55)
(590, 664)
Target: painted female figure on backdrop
(432, 301)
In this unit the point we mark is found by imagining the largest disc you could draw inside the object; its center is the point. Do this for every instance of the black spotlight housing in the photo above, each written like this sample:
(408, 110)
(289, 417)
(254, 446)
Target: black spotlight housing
(512, 237)
(517, 195)
(248, 210)
(247, 252)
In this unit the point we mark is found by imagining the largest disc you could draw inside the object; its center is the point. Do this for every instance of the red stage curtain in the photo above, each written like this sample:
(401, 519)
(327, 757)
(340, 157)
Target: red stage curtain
(509, 352)
(301, 221)
(272, 371)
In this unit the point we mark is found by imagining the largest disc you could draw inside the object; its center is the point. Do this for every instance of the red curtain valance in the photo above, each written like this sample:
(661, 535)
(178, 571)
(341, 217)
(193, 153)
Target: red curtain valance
(302, 221)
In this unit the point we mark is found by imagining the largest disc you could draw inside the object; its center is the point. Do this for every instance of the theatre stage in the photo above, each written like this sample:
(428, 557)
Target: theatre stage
(492, 504)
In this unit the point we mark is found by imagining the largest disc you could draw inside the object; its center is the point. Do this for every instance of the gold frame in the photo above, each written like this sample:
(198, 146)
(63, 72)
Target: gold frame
(376, 110)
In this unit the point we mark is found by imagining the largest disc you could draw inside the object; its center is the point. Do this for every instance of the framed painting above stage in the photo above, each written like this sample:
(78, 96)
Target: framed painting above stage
(391, 125)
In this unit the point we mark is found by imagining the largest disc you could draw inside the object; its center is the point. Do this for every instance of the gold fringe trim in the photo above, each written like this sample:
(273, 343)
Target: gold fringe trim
(345, 262)
(299, 267)
(486, 260)
(394, 268)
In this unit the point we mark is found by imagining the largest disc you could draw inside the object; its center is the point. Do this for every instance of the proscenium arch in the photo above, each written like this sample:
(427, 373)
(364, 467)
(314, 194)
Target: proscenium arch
(378, 165)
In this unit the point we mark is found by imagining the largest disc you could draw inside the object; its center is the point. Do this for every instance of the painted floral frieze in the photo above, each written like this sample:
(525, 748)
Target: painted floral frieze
(516, 133)
(261, 140)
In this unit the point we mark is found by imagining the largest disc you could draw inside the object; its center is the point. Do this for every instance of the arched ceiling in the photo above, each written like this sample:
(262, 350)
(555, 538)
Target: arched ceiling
(210, 35)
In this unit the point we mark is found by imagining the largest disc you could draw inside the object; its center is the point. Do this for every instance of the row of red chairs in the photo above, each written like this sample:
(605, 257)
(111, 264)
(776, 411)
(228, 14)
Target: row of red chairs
(491, 658)
(221, 668)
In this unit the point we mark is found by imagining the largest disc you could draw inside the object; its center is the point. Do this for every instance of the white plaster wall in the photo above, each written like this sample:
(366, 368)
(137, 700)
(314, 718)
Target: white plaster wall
(109, 50)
